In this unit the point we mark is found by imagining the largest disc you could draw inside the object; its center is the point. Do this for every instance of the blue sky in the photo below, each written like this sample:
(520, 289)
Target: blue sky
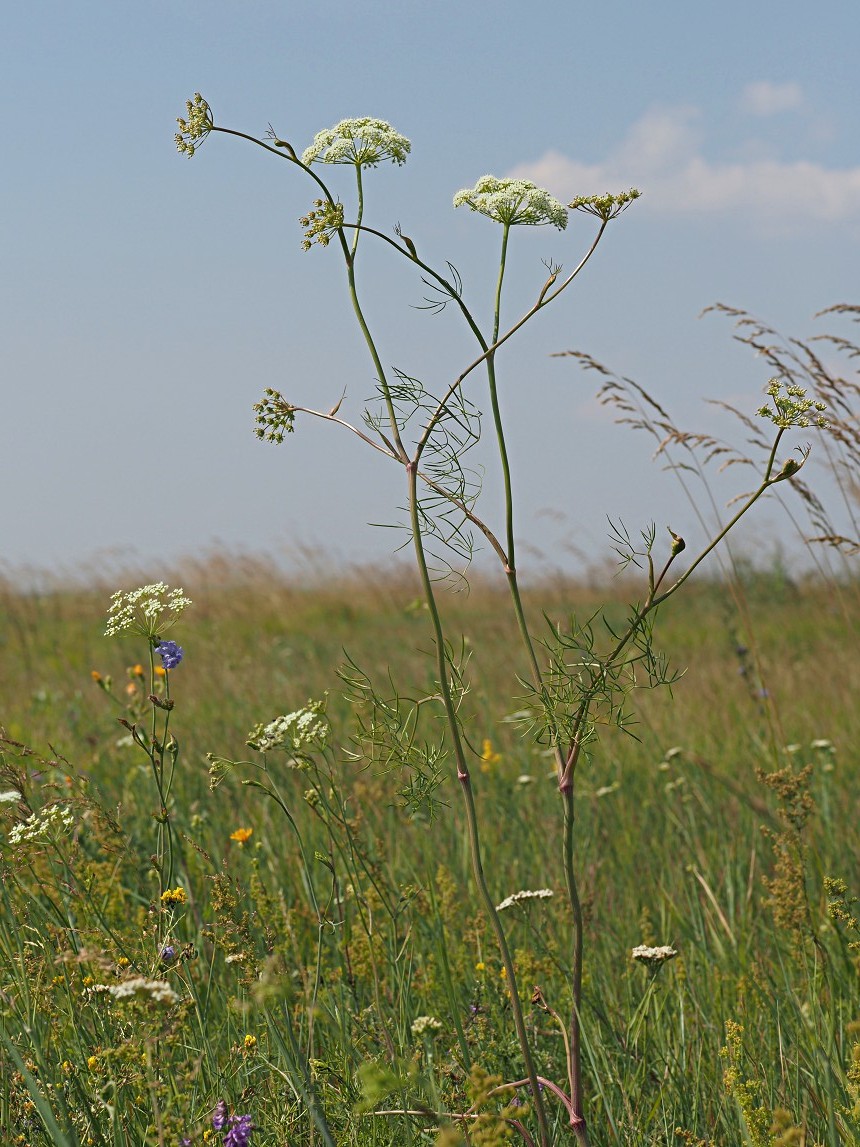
(147, 300)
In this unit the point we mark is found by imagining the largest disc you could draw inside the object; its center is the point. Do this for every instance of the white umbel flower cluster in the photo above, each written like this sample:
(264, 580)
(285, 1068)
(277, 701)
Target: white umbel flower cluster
(362, 142)
(654, 957)
(149, 610)
(299, 730)
(158, 990)
(425, 1025)
(512, 202)
(44, 825)
(521, 897)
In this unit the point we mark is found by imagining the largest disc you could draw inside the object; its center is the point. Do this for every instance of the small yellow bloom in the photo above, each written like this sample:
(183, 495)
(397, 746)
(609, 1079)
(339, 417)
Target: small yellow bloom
(67, 1065)
(136, 671)
(123, 962)
(131, 689)
(88, 980)
(207, 1134)
(160, 671)
(241, 835)
(96, 676)
(488, 756)
(93, 1063)
(250, 1041)
(174, 896)
(503, 972)
(480, 966)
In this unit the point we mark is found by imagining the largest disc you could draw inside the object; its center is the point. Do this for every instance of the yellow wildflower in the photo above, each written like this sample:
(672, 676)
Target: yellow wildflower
(250, 1041)
(488, 756)
(123, 962)
(96, 676)
(93, 1063)
(480, 966)
(136, 671)
(174, 896)
(160, 671)
(241, 835)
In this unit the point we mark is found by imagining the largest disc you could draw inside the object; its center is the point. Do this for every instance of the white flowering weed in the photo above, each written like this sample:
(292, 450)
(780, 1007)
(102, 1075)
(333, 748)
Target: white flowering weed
(299, 730)
(158, 990)
(512, 202)
(148, 611)
(653, 956)
(424, 1025)
(363, 142)
(790, 407)
(45, 825)
(522, 897)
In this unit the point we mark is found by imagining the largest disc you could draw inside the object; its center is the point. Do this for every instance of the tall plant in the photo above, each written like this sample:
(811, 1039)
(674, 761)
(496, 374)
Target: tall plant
(580, 674)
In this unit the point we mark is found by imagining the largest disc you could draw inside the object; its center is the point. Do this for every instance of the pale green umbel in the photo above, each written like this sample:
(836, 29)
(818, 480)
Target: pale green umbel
(364, 142)
(513, 202)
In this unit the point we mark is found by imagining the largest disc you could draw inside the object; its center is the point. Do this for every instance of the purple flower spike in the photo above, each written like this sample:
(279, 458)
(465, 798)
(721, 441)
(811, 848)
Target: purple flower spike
(219, 1115)
(170, 653)
(239, 1134)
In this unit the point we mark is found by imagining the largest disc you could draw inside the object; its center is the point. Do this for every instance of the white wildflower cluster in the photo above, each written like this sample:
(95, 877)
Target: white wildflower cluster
(149, 610)
(512, 202)
(10, 796)
(45, 825)
(790, 407)
(193, 131)
(425, 1025)
(520, 897)
(363, 142)
(300, 730)
(654, 957)
(158, 990)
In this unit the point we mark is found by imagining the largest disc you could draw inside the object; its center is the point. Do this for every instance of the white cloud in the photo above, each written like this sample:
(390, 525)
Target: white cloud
(662, 155)
(766, 99)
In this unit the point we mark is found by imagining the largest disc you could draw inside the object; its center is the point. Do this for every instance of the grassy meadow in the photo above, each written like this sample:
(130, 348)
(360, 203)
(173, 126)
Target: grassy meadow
(304, 936)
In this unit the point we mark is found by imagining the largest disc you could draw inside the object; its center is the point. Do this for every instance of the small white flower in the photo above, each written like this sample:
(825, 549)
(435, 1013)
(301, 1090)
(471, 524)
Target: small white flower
(821, 746)
(519, 897)
(512, 202)
(364, 142)
(424, 1024)
(654, 957)
(526, 779)
(10, 797)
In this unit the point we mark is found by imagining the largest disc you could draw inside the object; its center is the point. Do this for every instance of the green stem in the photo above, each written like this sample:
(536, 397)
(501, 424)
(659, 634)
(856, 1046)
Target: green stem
(580, 1128)
(469, 803)
(365, 330)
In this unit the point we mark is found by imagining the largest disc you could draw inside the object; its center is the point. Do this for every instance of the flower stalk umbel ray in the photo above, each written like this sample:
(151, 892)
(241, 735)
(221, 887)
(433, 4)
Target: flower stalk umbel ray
(363, 143)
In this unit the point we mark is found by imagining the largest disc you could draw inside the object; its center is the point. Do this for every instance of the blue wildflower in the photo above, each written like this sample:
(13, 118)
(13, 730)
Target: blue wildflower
(219, 1115)
(170, 653)
(239, 1134)
(167, 954)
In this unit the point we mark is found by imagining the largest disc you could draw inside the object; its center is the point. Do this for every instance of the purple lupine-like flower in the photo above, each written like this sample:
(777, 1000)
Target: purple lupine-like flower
(239, 1134)
(219, 1115)
(170, 653)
